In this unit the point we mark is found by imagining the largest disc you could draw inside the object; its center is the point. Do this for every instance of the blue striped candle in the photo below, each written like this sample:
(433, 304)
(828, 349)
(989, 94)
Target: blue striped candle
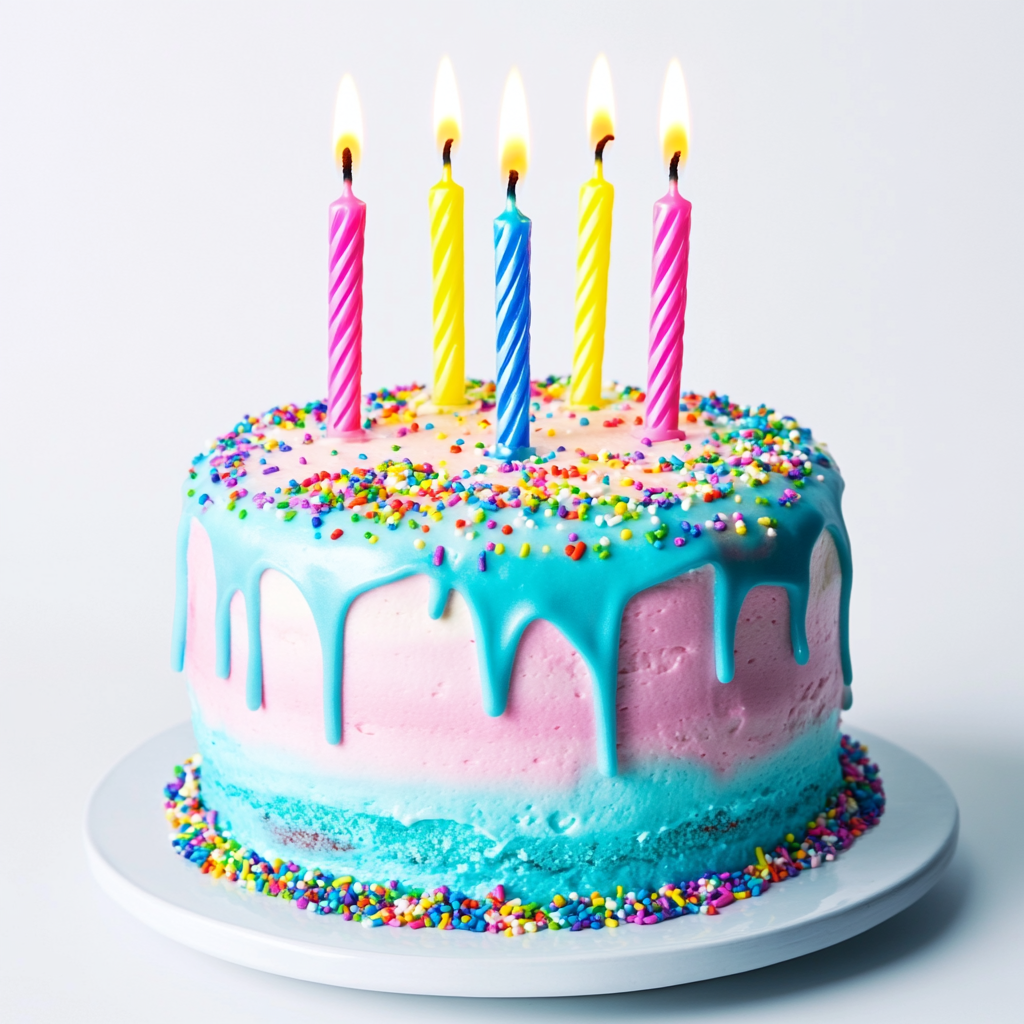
(512, 315)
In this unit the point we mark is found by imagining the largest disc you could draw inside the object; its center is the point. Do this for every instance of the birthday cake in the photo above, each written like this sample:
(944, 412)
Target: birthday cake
(615, 660)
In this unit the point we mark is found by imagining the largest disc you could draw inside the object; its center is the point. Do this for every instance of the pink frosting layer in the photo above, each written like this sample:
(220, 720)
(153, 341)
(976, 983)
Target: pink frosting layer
(412, 697)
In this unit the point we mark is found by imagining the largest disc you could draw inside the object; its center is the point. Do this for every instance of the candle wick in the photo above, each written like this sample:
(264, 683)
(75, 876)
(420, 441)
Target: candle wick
(673, 167)
(599, 151)
(346, 164)
(446, 156)
(513, 177)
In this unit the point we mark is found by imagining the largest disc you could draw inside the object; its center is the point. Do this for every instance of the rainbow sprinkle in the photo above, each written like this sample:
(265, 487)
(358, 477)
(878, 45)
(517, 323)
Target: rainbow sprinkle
(746, 447)
(856, 807)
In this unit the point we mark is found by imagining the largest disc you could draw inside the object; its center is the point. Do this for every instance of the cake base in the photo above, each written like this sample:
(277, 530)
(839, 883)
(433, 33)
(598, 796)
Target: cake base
(887, 869)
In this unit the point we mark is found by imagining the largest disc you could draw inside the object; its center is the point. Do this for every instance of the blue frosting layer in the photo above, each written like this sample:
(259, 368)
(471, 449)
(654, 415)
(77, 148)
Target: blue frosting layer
(654, 822)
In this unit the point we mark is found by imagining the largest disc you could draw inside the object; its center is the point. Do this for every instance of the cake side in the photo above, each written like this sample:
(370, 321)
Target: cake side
(426, 787)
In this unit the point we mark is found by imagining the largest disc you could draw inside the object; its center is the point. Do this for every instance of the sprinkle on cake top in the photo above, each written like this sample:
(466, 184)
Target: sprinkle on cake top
(589, 465)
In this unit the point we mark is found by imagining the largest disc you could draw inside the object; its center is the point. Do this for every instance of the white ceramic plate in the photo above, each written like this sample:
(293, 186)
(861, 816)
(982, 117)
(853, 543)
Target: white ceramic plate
(885, 871)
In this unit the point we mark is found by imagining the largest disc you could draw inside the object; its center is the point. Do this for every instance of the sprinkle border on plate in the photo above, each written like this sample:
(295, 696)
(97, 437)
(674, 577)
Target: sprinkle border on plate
(198, 836)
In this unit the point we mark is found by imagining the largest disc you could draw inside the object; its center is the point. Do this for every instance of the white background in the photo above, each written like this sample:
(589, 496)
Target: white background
(165, 170)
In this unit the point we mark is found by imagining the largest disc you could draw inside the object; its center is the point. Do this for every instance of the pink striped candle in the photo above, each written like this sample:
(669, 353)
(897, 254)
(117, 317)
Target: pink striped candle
(668, 311)
(345, 310)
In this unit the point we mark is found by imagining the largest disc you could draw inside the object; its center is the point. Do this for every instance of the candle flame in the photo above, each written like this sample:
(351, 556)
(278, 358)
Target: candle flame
(674, 122)
(348, 122)
(600, 102)
(447, 109)
(513, 128)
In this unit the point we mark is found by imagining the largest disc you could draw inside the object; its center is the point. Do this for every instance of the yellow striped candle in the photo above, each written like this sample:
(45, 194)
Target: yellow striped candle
(593, 253)
(447, 202)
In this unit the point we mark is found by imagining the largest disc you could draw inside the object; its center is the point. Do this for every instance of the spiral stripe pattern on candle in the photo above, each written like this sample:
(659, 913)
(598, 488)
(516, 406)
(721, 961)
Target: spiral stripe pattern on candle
(512, 306)
(345, 315)
(595, 233)
(446, 227)
(668, 311)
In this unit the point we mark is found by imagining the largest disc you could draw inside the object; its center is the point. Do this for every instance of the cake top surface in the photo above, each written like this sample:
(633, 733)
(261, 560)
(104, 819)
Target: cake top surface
(569, 534)
(440, 460)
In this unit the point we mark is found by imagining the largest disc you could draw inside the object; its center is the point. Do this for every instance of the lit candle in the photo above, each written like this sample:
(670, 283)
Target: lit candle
(447, 201)
(345, 292)
(668, 269)
(593, 250)
(512, 280)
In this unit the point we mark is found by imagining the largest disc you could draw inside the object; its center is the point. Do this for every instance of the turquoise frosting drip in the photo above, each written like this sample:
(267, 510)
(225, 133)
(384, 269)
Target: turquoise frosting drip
(583, 599)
